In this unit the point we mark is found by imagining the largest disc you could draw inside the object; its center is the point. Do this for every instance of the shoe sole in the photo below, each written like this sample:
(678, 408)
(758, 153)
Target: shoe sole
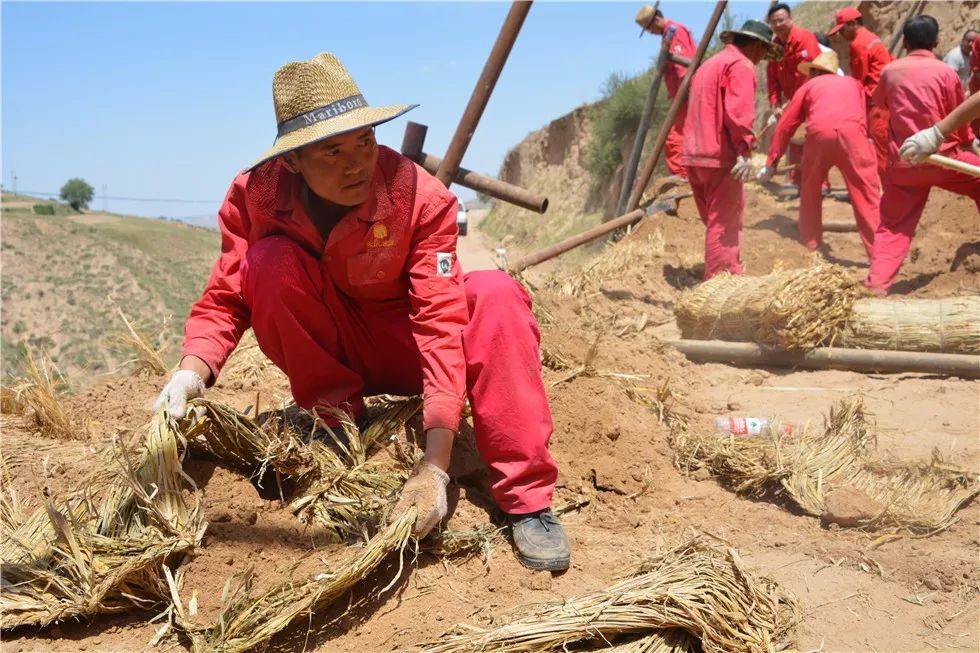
(544, 565)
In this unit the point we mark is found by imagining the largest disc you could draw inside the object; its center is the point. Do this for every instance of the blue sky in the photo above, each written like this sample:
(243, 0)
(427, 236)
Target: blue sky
(171, 100)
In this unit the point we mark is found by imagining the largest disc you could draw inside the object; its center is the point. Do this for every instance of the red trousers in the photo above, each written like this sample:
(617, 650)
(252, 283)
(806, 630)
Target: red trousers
(675, 143)
(878, 130)
(906, 189)
(721, 202)
(847, 148)
(336, 349)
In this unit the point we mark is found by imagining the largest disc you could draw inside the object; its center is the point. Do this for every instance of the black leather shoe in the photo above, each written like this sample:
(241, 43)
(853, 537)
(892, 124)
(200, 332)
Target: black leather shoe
(540, 541)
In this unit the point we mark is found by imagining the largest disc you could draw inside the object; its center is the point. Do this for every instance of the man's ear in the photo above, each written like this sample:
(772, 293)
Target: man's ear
(290, 161)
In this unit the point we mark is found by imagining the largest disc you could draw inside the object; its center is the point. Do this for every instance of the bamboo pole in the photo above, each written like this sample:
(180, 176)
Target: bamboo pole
(675, 107)
(858, 360)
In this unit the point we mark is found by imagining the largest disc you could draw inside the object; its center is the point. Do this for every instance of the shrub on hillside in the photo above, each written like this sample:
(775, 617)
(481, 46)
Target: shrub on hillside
(44, 209)
(615, 121)
(77, 192)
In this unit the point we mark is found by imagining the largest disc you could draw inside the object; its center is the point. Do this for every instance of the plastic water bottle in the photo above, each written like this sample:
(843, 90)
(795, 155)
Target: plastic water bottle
(751, 426)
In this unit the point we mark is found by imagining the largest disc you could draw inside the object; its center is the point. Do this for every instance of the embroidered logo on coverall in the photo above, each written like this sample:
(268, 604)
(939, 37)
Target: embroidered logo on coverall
(444, 264)
(379, 237)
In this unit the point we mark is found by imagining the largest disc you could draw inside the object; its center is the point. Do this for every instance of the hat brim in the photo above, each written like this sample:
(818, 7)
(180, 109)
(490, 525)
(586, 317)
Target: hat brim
(836, 28)
(348, 122)
(805, 67)
(728, 35)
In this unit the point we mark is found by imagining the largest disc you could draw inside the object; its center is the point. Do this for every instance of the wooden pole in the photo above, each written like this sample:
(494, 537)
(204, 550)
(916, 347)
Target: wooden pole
(675, 107)
(858, 360)
(953, 164)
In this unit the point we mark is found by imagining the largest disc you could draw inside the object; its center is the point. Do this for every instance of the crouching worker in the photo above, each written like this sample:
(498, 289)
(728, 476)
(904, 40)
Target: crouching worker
(833, 108)
(341, 256)
(718, 141)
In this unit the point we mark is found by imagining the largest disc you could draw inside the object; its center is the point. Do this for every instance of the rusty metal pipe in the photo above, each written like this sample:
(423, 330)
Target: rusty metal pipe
(649, 109)
(495, 188)
(414, 141)
(481, 94)
(676, 58)
(574, 241)
(675, 107)
(896, 43)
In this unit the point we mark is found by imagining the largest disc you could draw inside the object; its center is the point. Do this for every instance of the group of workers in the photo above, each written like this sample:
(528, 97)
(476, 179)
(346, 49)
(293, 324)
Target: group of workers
(340, 253)
(856, 123)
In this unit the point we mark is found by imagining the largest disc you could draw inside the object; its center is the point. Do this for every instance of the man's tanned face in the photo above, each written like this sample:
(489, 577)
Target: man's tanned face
(338, 169)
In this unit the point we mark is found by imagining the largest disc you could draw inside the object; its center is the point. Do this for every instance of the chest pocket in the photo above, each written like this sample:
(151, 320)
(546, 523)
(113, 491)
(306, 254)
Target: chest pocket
(375, 275)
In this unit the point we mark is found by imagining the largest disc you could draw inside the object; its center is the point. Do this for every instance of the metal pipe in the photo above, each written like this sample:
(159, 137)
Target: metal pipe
(574, 241)
(481, 94)
(649, 108)
(495, 188)
(859, 360)
(414, 139)
(675, 106)
(916, 9)
(676, 58)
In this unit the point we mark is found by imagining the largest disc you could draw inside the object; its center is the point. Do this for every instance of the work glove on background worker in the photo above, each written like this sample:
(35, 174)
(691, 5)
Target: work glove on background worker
(765, 173)
(183, 386)
(920, 145)
(742, 170)
(426, 490)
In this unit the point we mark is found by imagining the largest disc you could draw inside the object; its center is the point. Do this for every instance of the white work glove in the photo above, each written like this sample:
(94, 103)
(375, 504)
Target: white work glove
(921, 144)
(183, 386)
(765, 173)
(773, 119)
(742, 169)
(426, 490)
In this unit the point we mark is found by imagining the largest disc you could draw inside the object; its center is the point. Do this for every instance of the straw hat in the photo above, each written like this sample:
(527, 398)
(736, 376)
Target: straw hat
(753, 28)
(317, 99)
(645, 17)
(825, 61)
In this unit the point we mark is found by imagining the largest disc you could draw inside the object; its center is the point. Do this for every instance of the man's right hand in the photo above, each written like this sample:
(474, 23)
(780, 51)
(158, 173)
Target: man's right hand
(183, 386)
(426, 490)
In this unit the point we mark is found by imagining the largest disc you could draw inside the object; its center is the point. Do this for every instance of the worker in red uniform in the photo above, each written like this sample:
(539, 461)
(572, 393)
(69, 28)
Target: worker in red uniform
(833, 109)
(975, 79)
(918, 90)
(341, 256)
(783, 76)
(676, 40)
(718, 141)
(868, 57)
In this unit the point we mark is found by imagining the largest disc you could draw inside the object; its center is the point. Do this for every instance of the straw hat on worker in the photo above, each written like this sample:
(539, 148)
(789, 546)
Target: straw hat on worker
(318, 99)
(825, 62)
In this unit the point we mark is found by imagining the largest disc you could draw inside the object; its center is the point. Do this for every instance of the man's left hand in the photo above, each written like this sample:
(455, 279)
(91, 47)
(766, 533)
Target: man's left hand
(765, 174)
(742, 169)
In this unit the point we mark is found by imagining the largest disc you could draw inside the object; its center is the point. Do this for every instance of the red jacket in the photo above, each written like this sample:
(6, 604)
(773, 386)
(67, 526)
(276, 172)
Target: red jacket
(782, 77)
(723, 90)
(682, 45)
(919, 90)
(868, 57)
(384, 250)
(975, 67)
(825, 103)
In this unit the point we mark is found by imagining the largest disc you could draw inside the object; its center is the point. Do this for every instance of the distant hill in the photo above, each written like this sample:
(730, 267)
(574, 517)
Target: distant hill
(65, 275)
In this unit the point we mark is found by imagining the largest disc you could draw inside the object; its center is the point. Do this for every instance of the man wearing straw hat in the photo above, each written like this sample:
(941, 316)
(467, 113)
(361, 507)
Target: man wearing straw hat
(833, 109)
(677, 40)
(918, 91)
(782, 75)
(868, 57)
(718, 141)
(341, 256)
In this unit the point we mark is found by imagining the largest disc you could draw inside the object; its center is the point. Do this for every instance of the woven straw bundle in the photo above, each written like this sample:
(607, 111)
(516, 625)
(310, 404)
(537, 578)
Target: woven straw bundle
(950, 325)
(794, 309)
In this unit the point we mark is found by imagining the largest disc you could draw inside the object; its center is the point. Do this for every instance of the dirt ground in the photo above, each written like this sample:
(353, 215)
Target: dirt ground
(908, 594)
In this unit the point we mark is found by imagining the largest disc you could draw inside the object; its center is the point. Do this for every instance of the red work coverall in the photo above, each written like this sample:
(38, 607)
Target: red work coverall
(918, 91)
(975, 79)
(382, 307)
(783, 78)
(868, 57)
(836, 135)
(681, 44)
(723, 90)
